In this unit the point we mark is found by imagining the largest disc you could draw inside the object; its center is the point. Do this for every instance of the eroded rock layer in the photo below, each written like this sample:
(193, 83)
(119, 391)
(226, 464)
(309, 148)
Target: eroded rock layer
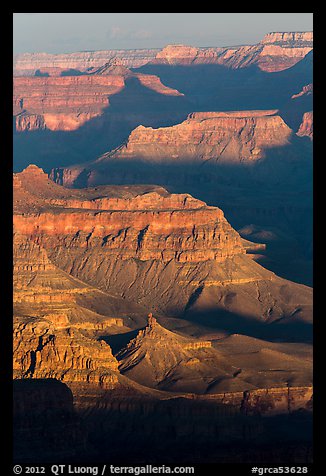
(87, 263)
(227, 144)
(29, 63)
(276, 52)
(66, 103)
(167, 251)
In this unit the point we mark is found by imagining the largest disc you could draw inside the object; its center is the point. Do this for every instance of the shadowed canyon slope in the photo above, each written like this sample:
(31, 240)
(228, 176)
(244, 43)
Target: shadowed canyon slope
(89, 263)
(239, 143)
(171, 253)
(66, 103)
(250, 162)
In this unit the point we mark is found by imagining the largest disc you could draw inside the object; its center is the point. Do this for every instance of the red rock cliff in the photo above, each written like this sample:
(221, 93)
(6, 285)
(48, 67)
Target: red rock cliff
(66, 103)
(223, 136)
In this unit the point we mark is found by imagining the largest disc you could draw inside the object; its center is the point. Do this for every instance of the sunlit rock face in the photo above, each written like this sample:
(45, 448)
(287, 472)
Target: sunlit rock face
(67, 103)
(169, 251)
(207, 147)
(307, 125)
(28, 63)
(276, 51)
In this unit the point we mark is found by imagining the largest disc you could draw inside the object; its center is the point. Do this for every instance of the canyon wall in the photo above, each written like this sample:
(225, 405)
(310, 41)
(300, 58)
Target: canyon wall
(206, 147)
(276, 52)
(66, 103)
(87, 265)
(170, 259)
(27, 63)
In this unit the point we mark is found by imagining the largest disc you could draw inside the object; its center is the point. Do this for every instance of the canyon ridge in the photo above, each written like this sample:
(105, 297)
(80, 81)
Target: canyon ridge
(163, 253)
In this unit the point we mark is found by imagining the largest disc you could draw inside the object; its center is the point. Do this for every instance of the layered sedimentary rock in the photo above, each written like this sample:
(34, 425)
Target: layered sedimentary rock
(27, 63)
(57, 319)
(276, 52)
(223, 136)
(43, 351)
(61, 103)
(162, 359)
(200, 146)
(66, 103)
(187, 228)
(219, 157)
(174, 255)
(85, 261)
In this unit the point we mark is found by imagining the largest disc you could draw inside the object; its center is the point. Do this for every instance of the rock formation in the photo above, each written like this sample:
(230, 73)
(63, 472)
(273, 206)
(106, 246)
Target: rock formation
(87, 264)
(174, 255)
(66, 103)
(297, 112)
(162, 359)
(205, 143)
(230, 342)
(306, 127)
(27, 63)
(76, 116)
(276, 52)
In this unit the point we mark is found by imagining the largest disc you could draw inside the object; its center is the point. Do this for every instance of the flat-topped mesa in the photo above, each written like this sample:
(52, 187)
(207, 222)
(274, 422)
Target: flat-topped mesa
(289, 47)
(183, 54)
(242, 136)
(297, 37)
(62, 103)
(123, 220)
(249, 113)
(281, 50)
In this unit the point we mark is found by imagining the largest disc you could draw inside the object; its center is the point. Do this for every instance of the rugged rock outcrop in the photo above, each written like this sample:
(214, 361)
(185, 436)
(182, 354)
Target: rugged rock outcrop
(42, 351)
(66, 103)
(205, 144)
(159, 226)
(85, 261)
(223, 136)
(276, 52)
(306, 91)
(79, 117)
(165, 360)
(306, 126)
(297, 112)
(176, 255)
(27, 63)
(290, 37)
